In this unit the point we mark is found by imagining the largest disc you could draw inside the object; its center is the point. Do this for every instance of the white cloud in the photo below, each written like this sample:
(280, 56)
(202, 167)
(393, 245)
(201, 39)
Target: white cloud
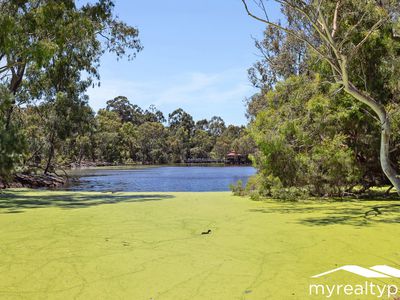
(201, 94)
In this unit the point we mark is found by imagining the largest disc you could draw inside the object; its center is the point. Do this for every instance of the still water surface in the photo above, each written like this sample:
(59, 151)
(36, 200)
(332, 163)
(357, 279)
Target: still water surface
(160, 179)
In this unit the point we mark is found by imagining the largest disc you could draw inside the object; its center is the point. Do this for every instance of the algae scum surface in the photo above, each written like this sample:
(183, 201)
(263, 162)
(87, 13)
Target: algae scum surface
(70, 245)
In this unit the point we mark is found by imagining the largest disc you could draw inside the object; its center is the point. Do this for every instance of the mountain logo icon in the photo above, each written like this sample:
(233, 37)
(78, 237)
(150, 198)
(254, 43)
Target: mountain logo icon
(378, 271)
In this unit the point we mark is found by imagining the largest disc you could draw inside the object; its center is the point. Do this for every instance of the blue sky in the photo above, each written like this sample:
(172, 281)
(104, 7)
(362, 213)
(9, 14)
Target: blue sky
(196, 55)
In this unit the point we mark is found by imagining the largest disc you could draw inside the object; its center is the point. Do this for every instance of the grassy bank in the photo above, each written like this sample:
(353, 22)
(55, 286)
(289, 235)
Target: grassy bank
(66, 245)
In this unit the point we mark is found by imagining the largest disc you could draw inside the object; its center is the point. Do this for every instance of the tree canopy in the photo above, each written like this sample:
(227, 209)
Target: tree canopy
(49, 54)
(328, 75)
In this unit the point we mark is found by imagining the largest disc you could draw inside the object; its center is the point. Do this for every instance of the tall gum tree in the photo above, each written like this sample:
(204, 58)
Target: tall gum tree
(36, 33)
(336, 31)
(50, 48)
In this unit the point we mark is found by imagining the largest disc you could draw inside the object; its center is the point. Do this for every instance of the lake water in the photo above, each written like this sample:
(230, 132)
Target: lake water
(160, 179)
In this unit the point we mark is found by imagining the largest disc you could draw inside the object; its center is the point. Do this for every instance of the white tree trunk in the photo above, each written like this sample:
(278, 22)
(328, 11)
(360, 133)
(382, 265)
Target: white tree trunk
(387, 168)
(380, 111)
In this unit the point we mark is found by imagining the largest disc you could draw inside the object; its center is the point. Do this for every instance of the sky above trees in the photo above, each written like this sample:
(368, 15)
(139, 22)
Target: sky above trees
(196, 55)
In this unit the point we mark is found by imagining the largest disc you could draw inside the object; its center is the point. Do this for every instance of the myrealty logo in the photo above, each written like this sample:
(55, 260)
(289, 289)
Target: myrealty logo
(379, 271)
(366, 288)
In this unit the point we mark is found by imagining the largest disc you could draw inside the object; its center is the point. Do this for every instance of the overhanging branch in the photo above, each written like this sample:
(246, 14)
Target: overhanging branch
(292, 33)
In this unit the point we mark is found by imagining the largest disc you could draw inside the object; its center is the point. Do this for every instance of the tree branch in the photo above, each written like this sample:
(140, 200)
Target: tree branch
(292, 33)
(373, 28)
(335, 17)
(313, 23)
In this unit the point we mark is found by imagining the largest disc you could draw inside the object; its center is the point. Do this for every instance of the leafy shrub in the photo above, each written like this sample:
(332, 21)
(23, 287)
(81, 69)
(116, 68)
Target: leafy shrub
(290, 193)
(302, 148)
(237, 189)
(255, 196)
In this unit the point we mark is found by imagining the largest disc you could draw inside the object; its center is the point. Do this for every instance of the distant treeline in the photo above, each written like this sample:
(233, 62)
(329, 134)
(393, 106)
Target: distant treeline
(63, 133)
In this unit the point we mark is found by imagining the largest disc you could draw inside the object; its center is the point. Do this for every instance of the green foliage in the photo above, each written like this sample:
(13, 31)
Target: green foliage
(152, 143)
(232, 138)
(289, 193)
(49, 56)
(309, 133)
(300, 149)
(202, 144)
(65, 131)
(126, 111)
(12, 142)
(130, 144)
(108, 139)
(238, 188)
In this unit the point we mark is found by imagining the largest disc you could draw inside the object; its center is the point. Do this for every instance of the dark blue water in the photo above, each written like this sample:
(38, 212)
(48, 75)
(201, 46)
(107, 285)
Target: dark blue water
(160, 179)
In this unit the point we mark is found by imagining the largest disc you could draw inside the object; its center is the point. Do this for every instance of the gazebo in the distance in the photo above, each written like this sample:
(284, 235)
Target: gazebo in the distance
(235, 158)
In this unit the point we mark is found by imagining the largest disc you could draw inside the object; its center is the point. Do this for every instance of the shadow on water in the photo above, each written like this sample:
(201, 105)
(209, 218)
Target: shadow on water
(18, 201)
(360, 214)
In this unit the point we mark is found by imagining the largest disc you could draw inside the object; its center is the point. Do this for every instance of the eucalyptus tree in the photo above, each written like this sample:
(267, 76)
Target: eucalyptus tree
(127, 111)
(152, 114)
(35, 32)
(356, 42)
(202, 143)
(181, 125)
(130, 145)
(216, 126)
(108, 137)
(50, 51)
(202, 125)
(152, 141)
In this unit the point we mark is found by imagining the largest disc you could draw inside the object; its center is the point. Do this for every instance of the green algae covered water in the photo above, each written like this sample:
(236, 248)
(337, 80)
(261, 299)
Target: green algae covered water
(103, 245)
